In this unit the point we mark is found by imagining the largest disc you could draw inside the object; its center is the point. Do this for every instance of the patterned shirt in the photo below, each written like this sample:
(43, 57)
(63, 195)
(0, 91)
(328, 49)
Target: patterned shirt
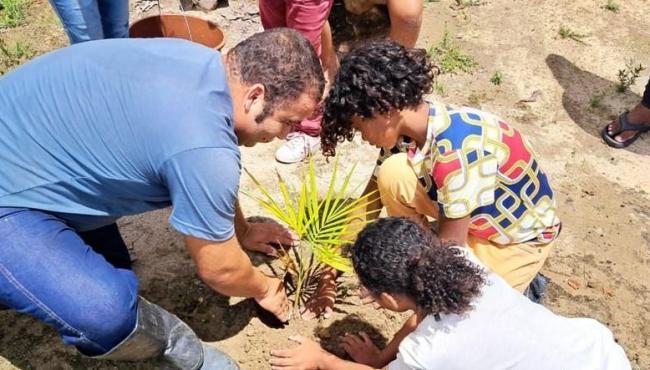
(475, 164)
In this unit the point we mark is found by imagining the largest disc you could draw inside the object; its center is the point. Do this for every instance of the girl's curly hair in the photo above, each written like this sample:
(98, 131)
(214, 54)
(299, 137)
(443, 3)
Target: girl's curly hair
(373, 79)
(395, 255)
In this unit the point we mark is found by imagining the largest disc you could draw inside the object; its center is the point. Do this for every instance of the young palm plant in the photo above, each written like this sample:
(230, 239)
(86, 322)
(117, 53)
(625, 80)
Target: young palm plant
(323, 227)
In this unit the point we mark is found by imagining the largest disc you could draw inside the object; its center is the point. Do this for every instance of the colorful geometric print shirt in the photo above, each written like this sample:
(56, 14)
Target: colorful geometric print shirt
(474, 164)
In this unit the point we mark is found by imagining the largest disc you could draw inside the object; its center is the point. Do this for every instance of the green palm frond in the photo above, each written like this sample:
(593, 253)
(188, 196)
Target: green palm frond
(322, 224)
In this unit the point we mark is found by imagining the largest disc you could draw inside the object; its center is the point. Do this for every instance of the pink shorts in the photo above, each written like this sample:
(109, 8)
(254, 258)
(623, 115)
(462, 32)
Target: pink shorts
(305, 16)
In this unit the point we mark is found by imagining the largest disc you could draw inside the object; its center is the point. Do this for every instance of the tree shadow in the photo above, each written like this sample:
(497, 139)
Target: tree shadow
(581, 88)
(330, 336)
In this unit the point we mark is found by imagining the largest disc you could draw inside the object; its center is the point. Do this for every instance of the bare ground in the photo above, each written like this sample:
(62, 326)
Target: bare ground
(601, 262)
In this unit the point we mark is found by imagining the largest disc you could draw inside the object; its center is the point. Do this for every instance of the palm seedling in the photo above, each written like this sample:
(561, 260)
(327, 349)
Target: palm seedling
(322, 225)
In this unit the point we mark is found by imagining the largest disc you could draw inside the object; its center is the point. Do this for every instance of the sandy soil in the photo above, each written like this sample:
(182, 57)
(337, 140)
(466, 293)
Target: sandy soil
(600, 265)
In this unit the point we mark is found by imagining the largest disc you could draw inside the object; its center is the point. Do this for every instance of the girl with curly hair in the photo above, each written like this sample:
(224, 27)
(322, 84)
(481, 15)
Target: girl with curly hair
(465, 317)
(468, 169)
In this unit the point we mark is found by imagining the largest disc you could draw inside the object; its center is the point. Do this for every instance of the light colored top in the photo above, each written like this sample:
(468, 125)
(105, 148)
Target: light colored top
(507, 331)
(109, 128)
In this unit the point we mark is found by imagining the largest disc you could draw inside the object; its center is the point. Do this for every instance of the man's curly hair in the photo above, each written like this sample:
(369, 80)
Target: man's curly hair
(374, 79)
(283, 61)
(397, 256)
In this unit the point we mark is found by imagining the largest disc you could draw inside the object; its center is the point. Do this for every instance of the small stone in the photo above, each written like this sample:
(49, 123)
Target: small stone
(573, 283)
(208, 4)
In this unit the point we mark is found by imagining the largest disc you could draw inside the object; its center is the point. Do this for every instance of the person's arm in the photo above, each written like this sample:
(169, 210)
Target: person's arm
(241, 225)
(453, 229)
(405, 21)
(310, 356)
(224, 267)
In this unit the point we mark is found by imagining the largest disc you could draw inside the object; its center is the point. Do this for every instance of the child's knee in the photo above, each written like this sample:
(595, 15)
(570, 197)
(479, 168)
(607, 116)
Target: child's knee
(395, 175)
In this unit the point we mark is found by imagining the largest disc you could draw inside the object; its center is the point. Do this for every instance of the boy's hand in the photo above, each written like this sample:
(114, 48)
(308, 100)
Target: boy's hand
(362, 349)
(304, 357)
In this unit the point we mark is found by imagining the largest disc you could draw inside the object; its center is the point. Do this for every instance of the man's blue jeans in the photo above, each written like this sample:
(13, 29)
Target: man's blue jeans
(50, 271)
(86, 20)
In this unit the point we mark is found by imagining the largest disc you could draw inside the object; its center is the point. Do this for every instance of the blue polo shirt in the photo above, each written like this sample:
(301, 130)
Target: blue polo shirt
(109, 128)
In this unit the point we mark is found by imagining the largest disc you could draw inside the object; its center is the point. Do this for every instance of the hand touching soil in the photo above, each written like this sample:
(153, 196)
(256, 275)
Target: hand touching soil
(275, 300)
(362, 349)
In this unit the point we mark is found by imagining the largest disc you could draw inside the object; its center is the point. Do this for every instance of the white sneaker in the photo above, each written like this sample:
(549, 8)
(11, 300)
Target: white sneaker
(297, 147)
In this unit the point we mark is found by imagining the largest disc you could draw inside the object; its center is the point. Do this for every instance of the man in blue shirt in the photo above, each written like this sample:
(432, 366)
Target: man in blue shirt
(111, 128)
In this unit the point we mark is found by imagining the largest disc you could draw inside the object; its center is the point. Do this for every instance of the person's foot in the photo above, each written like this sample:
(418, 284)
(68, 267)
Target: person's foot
(297, 147)
(323, 300)
(639, 115)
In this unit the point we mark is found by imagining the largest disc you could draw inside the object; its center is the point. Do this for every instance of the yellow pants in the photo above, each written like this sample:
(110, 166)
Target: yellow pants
(403, 195)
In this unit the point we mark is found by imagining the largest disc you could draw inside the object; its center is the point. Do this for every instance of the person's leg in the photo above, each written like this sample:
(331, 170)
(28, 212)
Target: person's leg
(47, 271)
(272, 13)
(81, 19)
(403, 195)
(401, 192)
(638, 116)
(309, 17)
(517, 264)
(108, 242)
(114, 18)
(405, 21)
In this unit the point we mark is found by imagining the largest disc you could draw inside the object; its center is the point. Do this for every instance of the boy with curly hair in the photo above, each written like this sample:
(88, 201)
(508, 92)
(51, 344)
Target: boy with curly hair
(470, 170)
(465, 317)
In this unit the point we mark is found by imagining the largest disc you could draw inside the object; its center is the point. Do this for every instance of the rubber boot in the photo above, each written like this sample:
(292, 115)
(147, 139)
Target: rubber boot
(162, 335)
(214, 359)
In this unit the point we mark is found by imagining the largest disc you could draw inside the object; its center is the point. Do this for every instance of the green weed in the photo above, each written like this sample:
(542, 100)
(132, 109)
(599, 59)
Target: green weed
(12, 12)
(450, 57)
(11, 56)
(628, 75)
(497, 78)
(596, 100)
(567, 33)
(612, 6)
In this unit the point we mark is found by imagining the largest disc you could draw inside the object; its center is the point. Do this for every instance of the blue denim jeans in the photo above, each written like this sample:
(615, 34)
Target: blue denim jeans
(49, 271)
(86, 20)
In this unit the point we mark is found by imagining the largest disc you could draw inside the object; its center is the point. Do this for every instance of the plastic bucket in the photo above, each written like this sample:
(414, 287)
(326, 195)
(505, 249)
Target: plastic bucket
(184, 27)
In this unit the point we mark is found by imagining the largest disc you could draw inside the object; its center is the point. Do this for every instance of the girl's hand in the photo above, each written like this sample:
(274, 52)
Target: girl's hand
(306, 356)
(362, 349)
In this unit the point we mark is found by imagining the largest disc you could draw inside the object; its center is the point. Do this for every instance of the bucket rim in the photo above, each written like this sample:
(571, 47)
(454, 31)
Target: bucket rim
(219, 46)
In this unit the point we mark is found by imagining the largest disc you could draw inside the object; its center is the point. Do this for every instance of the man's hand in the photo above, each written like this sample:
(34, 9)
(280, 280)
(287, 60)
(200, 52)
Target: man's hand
(259, 237)
(304, 357)
(362, 349)
(275, 299)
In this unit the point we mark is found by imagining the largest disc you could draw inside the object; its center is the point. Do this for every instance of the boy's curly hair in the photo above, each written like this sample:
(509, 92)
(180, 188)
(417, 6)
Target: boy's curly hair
(395, 255)
(373, 79)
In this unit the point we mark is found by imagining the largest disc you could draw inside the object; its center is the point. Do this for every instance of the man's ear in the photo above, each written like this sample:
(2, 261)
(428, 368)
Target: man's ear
(254, 93)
